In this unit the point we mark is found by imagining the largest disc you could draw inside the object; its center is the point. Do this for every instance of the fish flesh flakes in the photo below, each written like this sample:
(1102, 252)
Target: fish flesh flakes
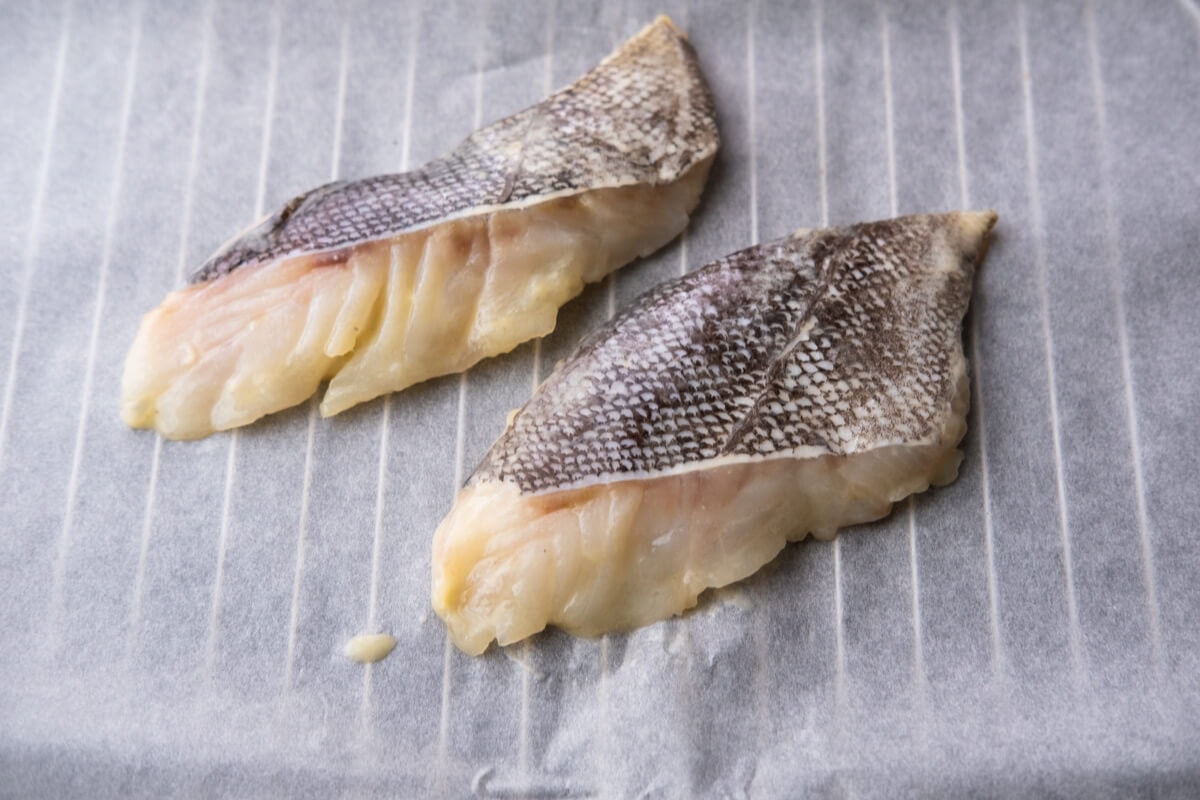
(380, 283)
(789, 389)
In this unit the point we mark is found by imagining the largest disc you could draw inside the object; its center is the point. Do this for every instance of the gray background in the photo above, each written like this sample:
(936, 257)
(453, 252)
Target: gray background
(172, 613)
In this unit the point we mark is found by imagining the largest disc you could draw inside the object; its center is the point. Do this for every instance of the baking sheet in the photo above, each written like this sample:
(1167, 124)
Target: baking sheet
(173, 613)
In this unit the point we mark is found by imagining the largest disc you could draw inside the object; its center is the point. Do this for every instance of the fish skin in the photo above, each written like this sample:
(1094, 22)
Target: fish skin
(374, 285)
(643, 115)
(834, 341)
(787, 390)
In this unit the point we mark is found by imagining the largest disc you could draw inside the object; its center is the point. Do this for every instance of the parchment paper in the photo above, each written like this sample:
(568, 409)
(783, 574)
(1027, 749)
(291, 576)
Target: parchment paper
(172, 614)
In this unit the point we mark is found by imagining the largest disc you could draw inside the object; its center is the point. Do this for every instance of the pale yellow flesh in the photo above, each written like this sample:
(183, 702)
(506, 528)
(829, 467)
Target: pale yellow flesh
(615, 556)
(396, 312)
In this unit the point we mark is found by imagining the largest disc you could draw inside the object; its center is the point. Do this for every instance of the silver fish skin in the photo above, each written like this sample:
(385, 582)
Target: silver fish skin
(643, 116)
(790, 388)
(377, 284)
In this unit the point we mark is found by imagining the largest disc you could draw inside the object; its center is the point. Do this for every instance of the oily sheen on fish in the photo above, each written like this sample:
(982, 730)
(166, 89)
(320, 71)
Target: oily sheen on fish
(788, 389)
(380, 283)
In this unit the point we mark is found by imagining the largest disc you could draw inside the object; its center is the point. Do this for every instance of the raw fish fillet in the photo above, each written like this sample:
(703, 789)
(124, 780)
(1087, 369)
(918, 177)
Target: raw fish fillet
(380, 283)
(788, 389)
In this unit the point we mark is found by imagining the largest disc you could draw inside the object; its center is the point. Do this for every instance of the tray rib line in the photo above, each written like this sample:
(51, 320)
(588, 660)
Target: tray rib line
(385, 418)
(526, 662)
(761, 630)
(301, 540)
(110, 231)
(760, 633)
(819, 66)
(185, 226)
(889, 109)
(385, 426)
(310, 434)
(33, 237)
(135, 614)
(340, 102)
(460, 424)
(1115, 259)
(752, 118)
(822, 159)
(527, 653)
(1043, 269)
(977, 368)
(214, 616)
(214, 621)
(889, 114)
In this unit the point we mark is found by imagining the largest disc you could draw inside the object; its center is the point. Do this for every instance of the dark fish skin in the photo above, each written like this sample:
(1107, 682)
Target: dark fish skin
(644, 115)
(374, 285)
(832, 341)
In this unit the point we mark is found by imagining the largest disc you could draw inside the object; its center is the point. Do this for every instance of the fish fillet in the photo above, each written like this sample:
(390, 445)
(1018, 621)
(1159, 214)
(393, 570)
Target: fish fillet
(785, 390)
(377, 284)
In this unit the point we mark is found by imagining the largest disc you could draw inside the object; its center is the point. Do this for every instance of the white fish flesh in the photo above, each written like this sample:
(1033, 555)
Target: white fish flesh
(377, 284)
(789, 389)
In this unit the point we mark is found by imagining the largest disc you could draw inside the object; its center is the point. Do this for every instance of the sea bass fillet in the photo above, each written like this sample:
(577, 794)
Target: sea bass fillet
(788, 389)
(381, 283)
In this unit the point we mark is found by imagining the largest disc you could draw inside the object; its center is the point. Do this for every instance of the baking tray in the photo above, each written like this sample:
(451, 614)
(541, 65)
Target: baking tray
(173, 613)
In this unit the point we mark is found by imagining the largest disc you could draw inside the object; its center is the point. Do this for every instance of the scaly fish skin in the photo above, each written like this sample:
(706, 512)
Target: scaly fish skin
(522, 214)
(791, 388)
